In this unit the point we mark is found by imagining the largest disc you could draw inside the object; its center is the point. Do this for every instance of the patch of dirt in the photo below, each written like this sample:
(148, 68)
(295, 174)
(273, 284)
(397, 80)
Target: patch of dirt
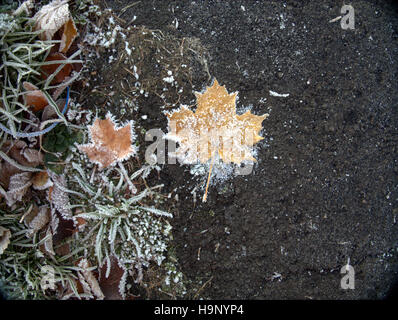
(324, 190)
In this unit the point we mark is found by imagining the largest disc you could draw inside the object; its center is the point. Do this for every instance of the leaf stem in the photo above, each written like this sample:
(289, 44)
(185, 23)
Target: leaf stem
(208, 179)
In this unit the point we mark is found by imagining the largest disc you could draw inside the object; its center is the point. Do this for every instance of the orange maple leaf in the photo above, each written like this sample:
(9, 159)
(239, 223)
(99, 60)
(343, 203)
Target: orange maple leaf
(110, 144)
(215, 129)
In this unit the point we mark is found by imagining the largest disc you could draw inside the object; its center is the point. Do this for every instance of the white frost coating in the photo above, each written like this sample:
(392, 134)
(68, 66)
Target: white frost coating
(18, 186)
(157, 212)
(128, 50)
(116, 158)
(92, 285)
(59, 196)
(169, 79)
(39, 221)
(5, 236)
(283, 20)
(99, 38)
(25, 7)
(51, 18)
(136, 74)
(276, 94)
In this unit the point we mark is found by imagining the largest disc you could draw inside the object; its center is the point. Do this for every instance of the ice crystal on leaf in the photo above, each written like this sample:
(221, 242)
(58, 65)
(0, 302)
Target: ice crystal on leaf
(5, 236)
(88, 280)
(59, 198)
(112, 278)
(215, 128)
(51, 17)
(37, 218)
(110, 144)
(19, 184)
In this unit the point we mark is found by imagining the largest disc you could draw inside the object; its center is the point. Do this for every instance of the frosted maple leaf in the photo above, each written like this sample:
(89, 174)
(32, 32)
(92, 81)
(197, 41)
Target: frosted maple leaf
(110, 144)
(214, 129)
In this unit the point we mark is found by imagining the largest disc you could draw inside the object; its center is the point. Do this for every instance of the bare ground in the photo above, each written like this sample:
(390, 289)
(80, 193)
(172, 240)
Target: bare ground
(324, 189)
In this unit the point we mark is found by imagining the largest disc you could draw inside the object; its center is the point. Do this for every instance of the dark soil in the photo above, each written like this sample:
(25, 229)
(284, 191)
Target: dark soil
(324, 190)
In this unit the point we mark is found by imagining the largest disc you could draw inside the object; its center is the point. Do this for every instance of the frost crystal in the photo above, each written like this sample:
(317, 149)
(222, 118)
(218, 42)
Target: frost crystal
(5, 236)
(59, 196)
(19, 184)
(51, 18)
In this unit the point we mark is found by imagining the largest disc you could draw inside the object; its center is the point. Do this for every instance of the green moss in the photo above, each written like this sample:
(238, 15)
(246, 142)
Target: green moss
(57, 144)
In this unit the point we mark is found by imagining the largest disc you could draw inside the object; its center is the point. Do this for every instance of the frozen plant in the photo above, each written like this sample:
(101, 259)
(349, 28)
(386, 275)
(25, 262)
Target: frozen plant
(24, 266)
(135, 234)
(119, 224)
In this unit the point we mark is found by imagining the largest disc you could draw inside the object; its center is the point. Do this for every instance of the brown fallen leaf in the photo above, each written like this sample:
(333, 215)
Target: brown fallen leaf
(18, 186)
(37, 218)
(69, 34)
(34, 97)
(47, 246)
(49, 193)
(33, 156)
(25, 7)
(63, 223)
(65, 292)
(112, 282)
(81, 223)
(109, 143)
(6, 171)
(49, 69)
(41, 180)
(13, 179)
(5, 236)
(60, 198)
(50, 18)
(49, 112)
(24, 155)
(63, 249)
(61, 228)
(88, 281)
